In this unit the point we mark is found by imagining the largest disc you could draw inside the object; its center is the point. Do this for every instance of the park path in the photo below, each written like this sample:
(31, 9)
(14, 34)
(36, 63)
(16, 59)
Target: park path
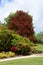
(20, 57)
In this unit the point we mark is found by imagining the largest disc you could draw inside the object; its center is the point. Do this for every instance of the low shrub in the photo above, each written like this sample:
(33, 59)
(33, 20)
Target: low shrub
(21, 45)
(25, 49)
(11, 54)
(3, 55)
(22, 49)
(6, 54)
(14, 49)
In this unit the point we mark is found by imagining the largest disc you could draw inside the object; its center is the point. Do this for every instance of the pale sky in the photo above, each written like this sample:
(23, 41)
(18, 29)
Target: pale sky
(34, 7)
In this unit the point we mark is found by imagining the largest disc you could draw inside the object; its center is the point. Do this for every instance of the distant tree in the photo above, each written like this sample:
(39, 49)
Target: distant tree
(21, 23)
(1, 26)
(4, 26)
(40, 37)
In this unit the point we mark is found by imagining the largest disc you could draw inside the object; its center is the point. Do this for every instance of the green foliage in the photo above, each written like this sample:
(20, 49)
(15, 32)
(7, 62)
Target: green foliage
(23, 49)
(39, 48)
(8, 19)
(23, 45)
(1, 26)
(19, 39)
(40, 37)
(5, 40)
(20, 44)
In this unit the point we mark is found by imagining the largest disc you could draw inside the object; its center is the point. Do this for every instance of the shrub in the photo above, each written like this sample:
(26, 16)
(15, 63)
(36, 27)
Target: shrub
(22, 49)
(6, 54)
(11, 54)
(19, 39)
(14, 42)
(14, 49)
(5, 40)
(3, 55)
(21, 45)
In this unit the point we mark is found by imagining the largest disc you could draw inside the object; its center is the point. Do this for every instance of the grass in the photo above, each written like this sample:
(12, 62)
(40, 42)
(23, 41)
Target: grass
(27, 61)
(39, 47)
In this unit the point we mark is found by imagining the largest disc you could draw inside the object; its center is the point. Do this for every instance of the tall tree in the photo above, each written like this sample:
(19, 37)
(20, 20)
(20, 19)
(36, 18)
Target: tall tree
(21, 23)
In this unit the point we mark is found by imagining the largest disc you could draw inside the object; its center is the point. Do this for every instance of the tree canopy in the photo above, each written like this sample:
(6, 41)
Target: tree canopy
(21, 23)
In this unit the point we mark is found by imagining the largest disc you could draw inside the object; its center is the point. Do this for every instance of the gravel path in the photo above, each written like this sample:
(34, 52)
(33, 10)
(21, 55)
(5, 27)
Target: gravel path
(20, 57)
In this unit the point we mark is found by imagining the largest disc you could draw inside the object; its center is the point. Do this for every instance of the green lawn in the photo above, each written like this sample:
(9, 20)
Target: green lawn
(27, 61)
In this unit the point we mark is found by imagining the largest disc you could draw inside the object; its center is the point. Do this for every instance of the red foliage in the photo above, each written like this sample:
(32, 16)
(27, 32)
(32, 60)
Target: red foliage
(14, 49)
(22, 25)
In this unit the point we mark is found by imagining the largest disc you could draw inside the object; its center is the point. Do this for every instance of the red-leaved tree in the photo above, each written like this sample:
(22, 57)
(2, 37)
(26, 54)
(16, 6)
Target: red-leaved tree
(21, 23)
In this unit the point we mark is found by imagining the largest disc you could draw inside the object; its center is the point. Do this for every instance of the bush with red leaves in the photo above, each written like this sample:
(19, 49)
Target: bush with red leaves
(14, 49)
(21, 23)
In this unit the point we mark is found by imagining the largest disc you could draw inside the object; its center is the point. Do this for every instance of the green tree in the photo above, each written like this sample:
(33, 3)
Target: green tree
(40, 37)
